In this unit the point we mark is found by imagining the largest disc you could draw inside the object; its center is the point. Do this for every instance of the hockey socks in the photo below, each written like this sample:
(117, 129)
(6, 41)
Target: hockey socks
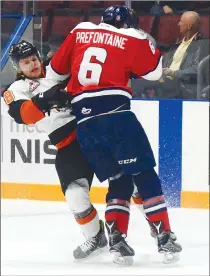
(119, 211)
(88, 221)
(150, 190)
(156, 212)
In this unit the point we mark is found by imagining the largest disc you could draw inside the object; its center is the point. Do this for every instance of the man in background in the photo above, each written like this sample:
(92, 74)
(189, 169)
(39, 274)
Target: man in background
(180, 63)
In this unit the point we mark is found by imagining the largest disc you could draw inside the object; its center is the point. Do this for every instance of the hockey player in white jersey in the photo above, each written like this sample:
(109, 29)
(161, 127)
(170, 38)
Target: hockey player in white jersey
(32, 99)
(27, 104)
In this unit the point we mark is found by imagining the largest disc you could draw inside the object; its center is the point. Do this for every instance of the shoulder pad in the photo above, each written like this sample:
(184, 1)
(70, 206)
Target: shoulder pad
(85, 25)
(139, 34)
(13, 92)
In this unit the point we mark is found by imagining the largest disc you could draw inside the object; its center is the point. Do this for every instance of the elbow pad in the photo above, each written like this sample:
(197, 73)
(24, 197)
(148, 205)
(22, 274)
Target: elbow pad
(14, 111)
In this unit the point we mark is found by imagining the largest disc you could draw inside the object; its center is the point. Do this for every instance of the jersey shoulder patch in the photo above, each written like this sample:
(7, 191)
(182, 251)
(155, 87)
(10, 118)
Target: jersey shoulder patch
(8, 97)
(14, 92)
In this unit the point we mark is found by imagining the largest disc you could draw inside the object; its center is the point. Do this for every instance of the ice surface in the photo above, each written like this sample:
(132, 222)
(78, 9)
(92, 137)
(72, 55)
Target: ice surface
(37, 238)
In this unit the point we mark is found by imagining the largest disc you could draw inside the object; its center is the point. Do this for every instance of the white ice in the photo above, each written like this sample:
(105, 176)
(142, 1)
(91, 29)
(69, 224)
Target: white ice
(37, 238)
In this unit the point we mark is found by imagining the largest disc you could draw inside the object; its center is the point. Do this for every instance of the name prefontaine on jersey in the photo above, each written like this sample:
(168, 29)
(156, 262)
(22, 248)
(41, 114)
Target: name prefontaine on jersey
(59, 125)
(100, 59)
(101, 38)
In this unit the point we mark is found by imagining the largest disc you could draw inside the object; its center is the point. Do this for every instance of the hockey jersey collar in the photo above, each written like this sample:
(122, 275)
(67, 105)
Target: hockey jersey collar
(196, 37)
(107, 27)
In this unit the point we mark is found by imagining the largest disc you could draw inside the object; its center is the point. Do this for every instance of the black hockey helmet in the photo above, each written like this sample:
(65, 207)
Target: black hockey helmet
(22, 50)
(117, 16)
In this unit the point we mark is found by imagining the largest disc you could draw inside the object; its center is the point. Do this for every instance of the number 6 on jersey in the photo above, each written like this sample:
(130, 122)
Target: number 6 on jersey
(94, 69)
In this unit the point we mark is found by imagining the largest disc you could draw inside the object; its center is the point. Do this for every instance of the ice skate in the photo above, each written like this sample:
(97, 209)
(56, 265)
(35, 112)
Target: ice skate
(167, 244)
(122, 252)
(91, 245)
(153, 232)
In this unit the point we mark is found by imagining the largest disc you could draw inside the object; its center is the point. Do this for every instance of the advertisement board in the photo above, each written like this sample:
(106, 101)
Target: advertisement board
(179, 135)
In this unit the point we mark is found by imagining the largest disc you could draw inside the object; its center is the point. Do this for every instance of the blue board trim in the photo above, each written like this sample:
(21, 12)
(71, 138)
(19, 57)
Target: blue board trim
(10, 15)
(170, 150)
(159, 100)
(14, 38)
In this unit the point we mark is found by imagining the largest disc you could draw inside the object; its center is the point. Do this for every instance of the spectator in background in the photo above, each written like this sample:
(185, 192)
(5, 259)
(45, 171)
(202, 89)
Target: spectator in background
(136, 23)
(142, 7)
(202, 7)
(179, 79)
(163, 7)
(170, 7)
(54, 42)
(205, 93)
(204, 79)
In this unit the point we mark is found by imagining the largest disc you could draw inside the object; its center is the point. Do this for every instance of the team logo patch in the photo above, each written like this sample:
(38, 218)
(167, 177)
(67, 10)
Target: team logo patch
(8, 97)
(86, 110)
(33, 85)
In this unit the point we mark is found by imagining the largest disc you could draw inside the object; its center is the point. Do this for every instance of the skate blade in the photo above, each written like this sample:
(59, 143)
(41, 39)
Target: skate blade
(122, 260)
(95, 253)
(169, 258)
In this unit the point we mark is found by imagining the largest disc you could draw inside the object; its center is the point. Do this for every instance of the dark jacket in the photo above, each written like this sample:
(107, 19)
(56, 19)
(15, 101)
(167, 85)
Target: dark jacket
(187, 74)
(181, 6)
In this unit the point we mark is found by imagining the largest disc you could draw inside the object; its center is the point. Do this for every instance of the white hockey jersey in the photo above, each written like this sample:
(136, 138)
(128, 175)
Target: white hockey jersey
(59, 125)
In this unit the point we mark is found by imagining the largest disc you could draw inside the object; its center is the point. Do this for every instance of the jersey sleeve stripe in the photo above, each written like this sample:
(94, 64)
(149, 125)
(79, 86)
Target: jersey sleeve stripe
(67, 141)
(156, 73)
(101, 92)
(53, 74)
(30, 114)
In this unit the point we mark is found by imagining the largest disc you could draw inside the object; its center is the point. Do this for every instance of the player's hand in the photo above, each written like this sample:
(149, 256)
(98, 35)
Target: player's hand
(161, 80)
(168, 72)
(167, 9)
(52, 98)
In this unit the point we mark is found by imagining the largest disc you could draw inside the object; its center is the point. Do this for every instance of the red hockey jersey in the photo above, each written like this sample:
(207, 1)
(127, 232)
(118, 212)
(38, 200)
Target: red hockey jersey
(101, 60)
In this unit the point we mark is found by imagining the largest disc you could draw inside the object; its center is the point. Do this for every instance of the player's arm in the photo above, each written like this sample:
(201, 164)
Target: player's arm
(29, 111)
(20, 107)
(59, 67)
(147, 61)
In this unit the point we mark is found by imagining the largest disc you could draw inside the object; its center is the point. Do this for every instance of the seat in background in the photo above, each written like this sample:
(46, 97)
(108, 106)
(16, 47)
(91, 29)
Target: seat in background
(62, 25)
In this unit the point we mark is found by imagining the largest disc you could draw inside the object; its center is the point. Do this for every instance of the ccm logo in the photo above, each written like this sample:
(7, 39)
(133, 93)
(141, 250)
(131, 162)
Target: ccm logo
(127, 161)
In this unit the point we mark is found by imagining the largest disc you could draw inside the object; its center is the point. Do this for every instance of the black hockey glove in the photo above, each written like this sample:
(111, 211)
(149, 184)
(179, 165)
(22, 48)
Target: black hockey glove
(52, 98)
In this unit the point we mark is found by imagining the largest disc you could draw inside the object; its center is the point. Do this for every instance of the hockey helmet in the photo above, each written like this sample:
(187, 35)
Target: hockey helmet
(22, 50)
(117, 16)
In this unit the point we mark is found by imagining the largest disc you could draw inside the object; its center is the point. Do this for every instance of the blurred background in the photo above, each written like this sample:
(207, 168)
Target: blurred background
(185, 49)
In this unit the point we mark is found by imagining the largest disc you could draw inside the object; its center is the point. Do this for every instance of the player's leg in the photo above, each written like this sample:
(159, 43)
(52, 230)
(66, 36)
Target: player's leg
(117, 217)
(119, 193)
(139, 204)
(76, 177)
(135, 156)
(149, 187)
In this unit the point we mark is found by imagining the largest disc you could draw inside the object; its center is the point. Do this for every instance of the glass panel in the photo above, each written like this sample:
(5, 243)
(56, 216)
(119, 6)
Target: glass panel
(160, 20)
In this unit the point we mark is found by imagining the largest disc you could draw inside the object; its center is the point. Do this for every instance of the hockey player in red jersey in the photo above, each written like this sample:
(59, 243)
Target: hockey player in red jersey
(30, 101)
(136, 196)
(100, 60)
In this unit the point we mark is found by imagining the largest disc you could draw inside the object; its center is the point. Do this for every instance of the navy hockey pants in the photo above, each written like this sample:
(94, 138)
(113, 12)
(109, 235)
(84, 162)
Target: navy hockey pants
(114, 143)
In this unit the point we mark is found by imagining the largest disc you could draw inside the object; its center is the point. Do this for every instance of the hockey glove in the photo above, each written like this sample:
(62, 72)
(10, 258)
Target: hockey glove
(52, 98)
